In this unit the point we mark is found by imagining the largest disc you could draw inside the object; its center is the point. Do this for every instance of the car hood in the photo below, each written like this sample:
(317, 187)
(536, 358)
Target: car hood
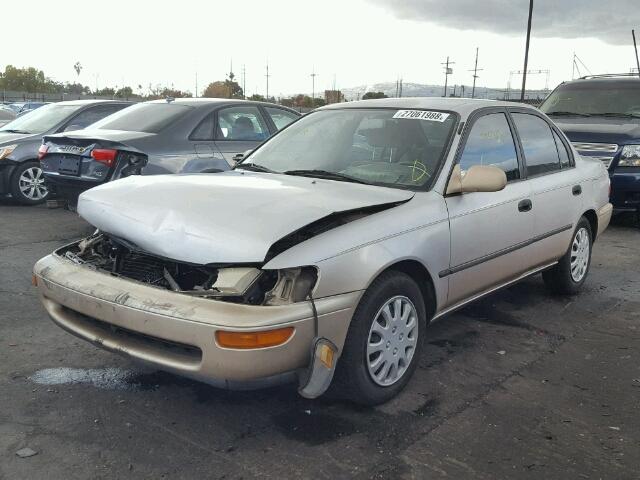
(599, 129)
(7, 138)
(230, 217)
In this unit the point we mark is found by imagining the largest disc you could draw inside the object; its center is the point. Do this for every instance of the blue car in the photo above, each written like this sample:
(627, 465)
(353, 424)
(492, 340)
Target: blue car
(601, 116)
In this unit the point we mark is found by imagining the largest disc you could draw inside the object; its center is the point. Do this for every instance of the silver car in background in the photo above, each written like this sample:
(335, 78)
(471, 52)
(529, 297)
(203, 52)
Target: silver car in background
(332, 246)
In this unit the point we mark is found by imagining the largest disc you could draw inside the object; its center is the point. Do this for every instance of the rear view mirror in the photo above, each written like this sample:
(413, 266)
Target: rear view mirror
(479, 178)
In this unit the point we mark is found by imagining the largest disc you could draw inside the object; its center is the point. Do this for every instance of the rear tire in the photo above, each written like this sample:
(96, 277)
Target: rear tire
(570, 273)
(384, 341)
(27, 184)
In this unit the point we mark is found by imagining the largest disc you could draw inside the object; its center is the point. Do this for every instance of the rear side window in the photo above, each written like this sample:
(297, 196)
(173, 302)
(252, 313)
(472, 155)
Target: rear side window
(144, 117)
(204, 131)
(538, 144)
(565, 159)
(490, 142)
(281, 118)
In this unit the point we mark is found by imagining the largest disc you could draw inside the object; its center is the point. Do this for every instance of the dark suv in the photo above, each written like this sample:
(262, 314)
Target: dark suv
(601, 116)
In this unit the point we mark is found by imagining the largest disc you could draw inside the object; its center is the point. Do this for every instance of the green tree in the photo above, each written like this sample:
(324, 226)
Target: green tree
(256, 97)
(370, 95)
(27, 79)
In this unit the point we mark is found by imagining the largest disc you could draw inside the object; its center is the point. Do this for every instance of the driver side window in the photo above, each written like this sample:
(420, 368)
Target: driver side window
(490, 142)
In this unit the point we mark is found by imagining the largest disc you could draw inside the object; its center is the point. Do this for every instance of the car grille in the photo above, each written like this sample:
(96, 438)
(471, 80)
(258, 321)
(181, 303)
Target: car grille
(605, 152)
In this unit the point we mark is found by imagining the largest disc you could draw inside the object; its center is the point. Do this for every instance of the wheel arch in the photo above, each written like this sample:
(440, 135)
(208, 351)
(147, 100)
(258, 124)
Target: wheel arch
(421, 275)
(592, 218)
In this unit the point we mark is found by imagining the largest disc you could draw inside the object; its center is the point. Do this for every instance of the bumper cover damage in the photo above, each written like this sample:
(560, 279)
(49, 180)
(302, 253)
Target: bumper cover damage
(176, 332)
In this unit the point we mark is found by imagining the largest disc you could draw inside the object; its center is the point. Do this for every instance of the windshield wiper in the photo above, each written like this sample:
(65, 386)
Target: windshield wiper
(325, 174)
(616, 114)
(567, 114)
(15, 131)
(254, 167)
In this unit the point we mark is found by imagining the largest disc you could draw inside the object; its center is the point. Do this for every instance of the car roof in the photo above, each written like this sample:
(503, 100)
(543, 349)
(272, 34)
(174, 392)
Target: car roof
(606, 79)
(90, 102)
(463, 106)
(197, 102)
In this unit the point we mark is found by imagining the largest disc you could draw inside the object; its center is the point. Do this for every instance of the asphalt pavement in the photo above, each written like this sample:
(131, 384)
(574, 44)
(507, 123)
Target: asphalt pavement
(520, 385)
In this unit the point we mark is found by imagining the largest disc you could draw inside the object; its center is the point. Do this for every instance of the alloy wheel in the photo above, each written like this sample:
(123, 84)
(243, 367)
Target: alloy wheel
(31, 184)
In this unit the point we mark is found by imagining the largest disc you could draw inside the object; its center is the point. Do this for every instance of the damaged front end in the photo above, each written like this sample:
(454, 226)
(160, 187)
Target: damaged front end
(246, 284)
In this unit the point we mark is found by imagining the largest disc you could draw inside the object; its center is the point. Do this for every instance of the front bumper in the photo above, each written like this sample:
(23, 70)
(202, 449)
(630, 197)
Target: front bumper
(176, 332)
(625, 189)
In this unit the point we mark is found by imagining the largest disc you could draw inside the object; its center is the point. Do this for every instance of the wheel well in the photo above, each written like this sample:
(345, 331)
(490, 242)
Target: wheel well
(591, 216)
(422, 277)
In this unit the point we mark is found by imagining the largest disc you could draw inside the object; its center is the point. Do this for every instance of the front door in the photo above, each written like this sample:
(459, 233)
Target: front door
(489, 230)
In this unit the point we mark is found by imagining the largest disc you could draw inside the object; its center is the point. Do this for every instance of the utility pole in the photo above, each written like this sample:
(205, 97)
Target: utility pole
(475, 75)
(400, 92)
(635, 46)
(447, 71)
(313, 87)
(267, 75)
(526, 51)
(244, 82)
(196, 84)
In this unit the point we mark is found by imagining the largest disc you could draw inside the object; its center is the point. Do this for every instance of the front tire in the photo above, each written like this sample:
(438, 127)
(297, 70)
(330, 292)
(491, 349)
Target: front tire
(384, 340)
(27, 184)
(570, 273)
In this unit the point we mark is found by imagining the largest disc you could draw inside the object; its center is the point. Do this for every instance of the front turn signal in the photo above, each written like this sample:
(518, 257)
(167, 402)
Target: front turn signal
(249, 340)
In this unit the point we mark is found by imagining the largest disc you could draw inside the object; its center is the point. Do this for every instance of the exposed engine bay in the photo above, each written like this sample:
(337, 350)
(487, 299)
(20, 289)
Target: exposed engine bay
(239, 284)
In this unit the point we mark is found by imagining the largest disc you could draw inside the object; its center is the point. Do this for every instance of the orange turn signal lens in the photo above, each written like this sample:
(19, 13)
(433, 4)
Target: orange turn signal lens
(247, 340)
(34, 280)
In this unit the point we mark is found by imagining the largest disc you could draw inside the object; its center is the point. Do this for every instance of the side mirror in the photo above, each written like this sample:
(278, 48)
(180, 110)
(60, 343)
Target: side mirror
(479, 178)
(73, 127)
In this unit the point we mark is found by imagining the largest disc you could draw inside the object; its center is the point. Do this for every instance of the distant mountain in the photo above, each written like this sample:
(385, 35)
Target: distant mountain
(422, 90)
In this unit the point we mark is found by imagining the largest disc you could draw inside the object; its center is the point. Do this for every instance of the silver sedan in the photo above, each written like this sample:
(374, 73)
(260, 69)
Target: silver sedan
(324, 255)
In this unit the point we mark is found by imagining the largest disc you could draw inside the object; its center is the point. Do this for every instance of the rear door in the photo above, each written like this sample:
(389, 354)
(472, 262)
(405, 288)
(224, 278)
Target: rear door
(238, 129)
(555, 184)
(489, 230)
(202, 138)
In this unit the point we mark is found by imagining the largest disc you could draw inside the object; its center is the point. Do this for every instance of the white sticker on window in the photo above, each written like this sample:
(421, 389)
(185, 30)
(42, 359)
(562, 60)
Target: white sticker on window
(422, 115)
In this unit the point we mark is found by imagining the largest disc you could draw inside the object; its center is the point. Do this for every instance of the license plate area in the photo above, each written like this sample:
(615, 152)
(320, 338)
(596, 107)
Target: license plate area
(69, 166)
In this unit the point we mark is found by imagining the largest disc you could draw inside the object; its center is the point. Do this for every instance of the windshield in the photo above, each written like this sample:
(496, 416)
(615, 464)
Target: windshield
(42, 119)
(595, 98)
(388, 147)
(144, 117)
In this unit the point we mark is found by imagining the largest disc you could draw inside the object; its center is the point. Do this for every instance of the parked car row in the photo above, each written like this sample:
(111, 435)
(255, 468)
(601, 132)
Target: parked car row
(323, 255)
(48, 151)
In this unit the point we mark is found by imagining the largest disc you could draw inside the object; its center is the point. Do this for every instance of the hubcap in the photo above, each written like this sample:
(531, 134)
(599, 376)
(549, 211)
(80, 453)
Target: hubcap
(392, 340)
(580, 255)
(31, 184)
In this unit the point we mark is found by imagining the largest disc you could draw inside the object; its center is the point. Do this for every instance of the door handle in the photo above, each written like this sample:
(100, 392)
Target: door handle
(577, 189)
(525, 205)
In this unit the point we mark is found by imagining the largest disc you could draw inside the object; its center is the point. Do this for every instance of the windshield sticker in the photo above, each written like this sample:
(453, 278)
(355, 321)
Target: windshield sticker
(421, 115)
(418, 171)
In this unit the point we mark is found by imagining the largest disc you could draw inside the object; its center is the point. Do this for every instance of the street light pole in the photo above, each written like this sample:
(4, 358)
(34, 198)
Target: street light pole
(526, 52)
(313, 87)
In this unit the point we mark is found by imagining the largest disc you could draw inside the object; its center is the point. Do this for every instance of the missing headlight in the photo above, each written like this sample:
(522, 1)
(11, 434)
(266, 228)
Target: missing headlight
(293, 285)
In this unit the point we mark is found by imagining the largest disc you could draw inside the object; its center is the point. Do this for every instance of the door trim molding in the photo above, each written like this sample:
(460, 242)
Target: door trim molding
(504, 251)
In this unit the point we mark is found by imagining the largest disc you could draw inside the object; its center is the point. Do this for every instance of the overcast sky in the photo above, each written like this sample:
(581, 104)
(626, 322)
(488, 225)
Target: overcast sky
(357, 41)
